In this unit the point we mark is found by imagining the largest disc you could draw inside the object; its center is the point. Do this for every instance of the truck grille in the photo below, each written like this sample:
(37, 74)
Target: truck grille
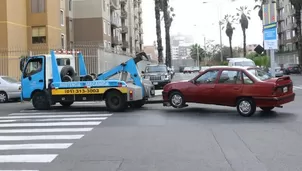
(154, 77)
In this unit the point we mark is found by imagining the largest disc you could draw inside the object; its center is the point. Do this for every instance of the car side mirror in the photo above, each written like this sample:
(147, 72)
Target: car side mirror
(143, 72)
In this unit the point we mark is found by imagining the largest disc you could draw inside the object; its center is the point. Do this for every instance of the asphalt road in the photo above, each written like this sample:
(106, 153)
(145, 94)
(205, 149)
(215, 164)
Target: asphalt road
(154, 138)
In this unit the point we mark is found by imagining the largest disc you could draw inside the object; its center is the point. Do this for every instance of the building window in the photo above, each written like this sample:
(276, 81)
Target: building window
(63, 41)
(104, 27)
(109, 29)
(104, 5)
(105, 44)
(62, 17)
(288, 35)
(38, 35)
(37, 6)
(70, 5)
(70, 25)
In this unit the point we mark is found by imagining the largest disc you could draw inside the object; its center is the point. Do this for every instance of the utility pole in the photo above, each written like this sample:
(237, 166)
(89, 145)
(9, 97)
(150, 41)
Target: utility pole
(220, 34)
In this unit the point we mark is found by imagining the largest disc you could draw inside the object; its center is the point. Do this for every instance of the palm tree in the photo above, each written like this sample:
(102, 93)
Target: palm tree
(168, 18)
(244, 17)
(158, 31)
(229, 29)
(298, 7)
(195, 51)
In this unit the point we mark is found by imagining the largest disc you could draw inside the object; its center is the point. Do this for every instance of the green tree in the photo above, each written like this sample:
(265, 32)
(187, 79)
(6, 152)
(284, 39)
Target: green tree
(229, 29)
(168, 18)
(195, 51)
(298, 7)
(158, 30)
(243, 18)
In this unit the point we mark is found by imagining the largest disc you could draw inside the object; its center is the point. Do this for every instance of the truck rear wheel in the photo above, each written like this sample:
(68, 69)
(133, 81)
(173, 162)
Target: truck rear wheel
(40, 101)
(115, 101)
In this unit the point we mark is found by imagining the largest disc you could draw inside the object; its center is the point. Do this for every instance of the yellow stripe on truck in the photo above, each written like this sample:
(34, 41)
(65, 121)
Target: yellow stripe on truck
(75, 91)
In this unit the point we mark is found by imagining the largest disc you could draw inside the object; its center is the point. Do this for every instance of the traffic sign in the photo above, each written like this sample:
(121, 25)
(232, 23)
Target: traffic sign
(270, 36)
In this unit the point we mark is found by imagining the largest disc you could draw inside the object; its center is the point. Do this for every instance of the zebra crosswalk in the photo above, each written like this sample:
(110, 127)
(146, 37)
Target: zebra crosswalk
(37, 137)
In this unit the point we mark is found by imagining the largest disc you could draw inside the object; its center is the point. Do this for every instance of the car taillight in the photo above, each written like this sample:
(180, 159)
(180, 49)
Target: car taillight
(131, 95)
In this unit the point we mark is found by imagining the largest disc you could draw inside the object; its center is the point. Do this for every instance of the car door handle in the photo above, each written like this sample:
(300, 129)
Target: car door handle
(41, 81)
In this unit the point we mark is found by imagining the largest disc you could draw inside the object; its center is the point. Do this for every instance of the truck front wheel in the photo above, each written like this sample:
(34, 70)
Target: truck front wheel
(115, 101)
(40, 101)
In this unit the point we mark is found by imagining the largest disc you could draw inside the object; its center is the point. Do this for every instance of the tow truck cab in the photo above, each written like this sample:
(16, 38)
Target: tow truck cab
(51, 78)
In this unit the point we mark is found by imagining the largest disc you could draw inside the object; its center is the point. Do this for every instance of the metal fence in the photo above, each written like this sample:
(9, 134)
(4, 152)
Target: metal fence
(97, 58)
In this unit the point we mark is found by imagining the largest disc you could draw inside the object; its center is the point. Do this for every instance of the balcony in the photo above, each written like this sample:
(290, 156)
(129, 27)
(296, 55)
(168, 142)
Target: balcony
(141, 41)
(125, 44)
(114, 5)
(115, 40)
(123, 2)
(280, 18)
(140, 20)
(140, 10)
(115, 23)
(124, 29)
(124, 14)
(141, 31)
(280, 5)
(134, 3)
(136, 27)
(281, 42)
(295, 39)
(139, 1)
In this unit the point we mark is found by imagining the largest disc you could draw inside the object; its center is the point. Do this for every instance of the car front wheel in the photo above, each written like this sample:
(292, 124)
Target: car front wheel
(176, 99)
(246, 107)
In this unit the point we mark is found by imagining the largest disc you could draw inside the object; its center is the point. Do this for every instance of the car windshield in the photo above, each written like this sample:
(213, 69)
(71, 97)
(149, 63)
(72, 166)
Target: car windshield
(156, 69)
(260, 74)
(10, 79)
(245, 63)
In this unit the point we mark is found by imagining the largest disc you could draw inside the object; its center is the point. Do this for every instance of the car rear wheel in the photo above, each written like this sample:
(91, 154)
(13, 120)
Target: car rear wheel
(246, 107)
(176, 99)
(3, 97)
(267, 109)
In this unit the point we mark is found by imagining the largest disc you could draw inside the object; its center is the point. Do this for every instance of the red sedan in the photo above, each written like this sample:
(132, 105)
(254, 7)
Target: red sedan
(240, 87)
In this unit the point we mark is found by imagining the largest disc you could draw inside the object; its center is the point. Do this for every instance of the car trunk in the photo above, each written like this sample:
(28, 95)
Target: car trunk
(283, 85)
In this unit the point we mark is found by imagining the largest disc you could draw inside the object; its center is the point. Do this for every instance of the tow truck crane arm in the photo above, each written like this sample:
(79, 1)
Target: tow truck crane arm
(129, 67)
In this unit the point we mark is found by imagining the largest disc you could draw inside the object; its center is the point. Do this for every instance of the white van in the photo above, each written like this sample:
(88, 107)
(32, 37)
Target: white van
(245, 62)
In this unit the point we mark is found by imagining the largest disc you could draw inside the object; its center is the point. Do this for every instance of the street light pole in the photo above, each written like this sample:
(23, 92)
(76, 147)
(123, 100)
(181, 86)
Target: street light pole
(197, 51)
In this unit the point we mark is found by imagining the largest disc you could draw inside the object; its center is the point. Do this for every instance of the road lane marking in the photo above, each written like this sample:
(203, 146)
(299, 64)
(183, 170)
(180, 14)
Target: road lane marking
(40, 137)
(46, 130)
(70, 119)
(28, 158)
(19, 170)
(3, 121)
(48, 124)
(52, 116)
(296, 87)
(34, 146)
(60, 113)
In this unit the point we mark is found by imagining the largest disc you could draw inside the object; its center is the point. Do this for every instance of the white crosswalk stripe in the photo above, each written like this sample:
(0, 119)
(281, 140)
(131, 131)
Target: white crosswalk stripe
(298, 87)
(31, 131)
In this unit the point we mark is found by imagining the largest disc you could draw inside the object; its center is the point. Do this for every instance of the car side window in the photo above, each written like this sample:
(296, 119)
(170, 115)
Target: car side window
(33, 66)
(208, 77)
(230, 77)
(246, 79)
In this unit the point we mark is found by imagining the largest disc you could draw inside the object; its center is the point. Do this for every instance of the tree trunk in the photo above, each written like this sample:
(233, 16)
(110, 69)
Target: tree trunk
(158, 31)
(231, 48)
(299, 34)
(167, 33)
(244, 43)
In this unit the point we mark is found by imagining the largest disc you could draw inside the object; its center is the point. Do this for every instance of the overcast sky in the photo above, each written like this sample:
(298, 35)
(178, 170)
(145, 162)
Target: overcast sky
(205, 17)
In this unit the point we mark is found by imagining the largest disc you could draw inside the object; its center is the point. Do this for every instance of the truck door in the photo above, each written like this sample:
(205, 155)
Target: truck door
(33, 77)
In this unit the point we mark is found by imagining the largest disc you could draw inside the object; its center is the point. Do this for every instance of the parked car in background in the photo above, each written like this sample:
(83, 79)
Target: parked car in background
(278, 72)
(195, 69)
(203, 68)
(244, 62)
(187, 70)
(292, 69)
(158, 74)
(171, 72)
(10, 89)
(242, 87)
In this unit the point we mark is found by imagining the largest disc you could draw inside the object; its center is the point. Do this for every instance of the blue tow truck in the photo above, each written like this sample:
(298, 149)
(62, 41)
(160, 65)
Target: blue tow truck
(51, 78)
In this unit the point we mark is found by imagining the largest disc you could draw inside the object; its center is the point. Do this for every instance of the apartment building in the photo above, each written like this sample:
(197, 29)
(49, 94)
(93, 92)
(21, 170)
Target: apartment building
(116, 27)
(29, 24)
(287, 33)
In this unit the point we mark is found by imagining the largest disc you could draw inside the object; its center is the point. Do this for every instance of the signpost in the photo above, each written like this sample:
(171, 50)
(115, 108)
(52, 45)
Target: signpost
(270, 31)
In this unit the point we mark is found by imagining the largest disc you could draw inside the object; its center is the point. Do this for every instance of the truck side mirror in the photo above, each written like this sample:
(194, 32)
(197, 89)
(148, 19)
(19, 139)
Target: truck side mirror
(143, 72)
(21, 66)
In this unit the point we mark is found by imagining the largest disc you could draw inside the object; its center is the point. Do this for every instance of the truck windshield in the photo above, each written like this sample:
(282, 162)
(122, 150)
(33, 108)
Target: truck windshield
(63, 61)
(245, 63)
(156, 69)
(260, 74)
